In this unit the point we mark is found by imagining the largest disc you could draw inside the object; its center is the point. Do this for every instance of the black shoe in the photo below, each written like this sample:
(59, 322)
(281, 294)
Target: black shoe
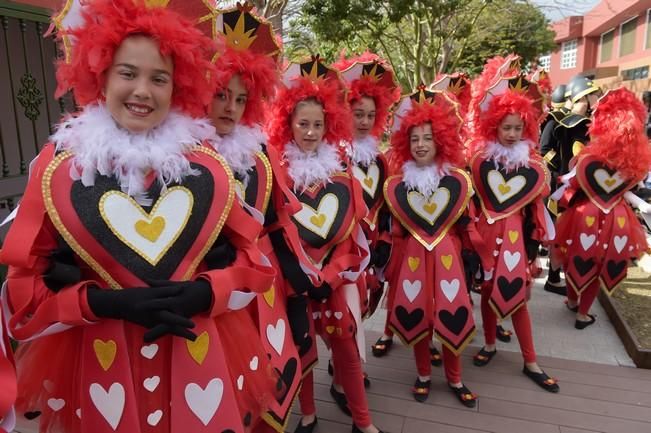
(542, 380)
(331, 369)
(367, 381)
(559, 289)
(574, 309)
(357, 430)
(300, 428)
(483, 357)
(582, 324)
(435, 357)
(465, 396)
(340, 399)
(381, 347)
(503, 335)
(420, 391)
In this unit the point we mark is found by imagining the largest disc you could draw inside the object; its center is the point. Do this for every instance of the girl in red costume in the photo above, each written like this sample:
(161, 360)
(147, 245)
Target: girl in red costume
(246, 79)
(309, 121)
(372, 91)
(132, 312)
(427, 196)
(7, 382)
(598, 232)
(510, 182)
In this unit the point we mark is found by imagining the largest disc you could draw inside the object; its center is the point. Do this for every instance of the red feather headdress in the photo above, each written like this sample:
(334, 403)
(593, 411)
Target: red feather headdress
(369, 75)
(617, 133)
(441, 112)
(500, 90)
(92, 32)
(251, 50)
(310, 79)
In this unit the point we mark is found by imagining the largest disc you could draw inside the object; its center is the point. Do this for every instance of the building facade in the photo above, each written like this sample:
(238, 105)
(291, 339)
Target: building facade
(611, 44)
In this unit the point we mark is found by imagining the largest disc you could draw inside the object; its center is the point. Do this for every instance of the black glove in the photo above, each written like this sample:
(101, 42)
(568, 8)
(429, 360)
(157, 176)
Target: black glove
(221, 255)
(319, 293)
(134, 305)
(63, 270)
(299, 322)
(193, 298)
(380, 255)
(532, 247)
(289, 265)
(471, 261)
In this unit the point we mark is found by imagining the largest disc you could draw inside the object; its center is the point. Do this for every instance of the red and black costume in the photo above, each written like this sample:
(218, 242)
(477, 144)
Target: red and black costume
(117, 250)
(510, 181)
(598, 233)
(425, 272)
(329, 228)
(251, 53)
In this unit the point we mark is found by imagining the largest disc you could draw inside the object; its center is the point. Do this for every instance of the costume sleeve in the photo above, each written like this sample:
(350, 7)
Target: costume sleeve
(34, 309)
(237, 285)
(549, 146)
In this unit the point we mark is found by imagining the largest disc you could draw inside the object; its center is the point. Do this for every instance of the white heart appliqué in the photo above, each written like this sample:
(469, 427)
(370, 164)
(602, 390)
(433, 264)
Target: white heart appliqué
(56, 404)
(450, 288)
(276, 335)
(124, 216)
(204, 402)
(587, 240)
(154, 418)
(253, 365)
(319, 220)
(109, 404)
(511, 260)
(151, 383)
(369, 180)
(620, 242)
(149, 351)
(240, 382)
(505, 190)
(411, 289)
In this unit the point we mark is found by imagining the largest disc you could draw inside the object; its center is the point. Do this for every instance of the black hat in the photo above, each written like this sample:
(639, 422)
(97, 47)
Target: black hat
(558, 96)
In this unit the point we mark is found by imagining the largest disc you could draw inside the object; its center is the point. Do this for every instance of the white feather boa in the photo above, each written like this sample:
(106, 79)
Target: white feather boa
(239, 148)
(512, 157)
(423, 179)
(364, 151)
(308, 168)
(100, 146)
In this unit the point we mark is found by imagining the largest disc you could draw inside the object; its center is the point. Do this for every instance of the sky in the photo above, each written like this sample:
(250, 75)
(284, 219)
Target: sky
(557, 9)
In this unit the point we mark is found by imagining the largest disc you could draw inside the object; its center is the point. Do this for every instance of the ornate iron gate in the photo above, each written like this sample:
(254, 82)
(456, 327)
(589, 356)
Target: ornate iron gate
(28, 109)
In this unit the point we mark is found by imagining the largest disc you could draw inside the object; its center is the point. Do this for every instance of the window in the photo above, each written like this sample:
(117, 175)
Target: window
(606, 46)
(647, 44)
(568, 56)
(545, 61)
(627, 37)
(636, 73)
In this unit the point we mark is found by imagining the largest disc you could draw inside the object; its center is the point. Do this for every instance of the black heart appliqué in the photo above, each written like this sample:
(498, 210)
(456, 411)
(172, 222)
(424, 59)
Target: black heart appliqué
(286, 378)
(583, 266)
(615, 268)
(455, 322)
(409, 320)
(509, 289)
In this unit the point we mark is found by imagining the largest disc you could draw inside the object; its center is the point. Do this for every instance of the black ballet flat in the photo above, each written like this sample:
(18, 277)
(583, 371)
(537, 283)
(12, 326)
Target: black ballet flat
(420, 390)
(331, 369)
(582, 324)
(483, 357)
(300, 428)
(503, 335)
(381, 347)
(340, 399)
(464, 395)
(542, 380)
(367, 381)
(560, 289)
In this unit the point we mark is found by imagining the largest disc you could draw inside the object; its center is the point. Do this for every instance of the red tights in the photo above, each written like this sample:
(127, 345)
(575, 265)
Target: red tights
(345, 357)
(451, 362)
(587, 297)
(521, 325)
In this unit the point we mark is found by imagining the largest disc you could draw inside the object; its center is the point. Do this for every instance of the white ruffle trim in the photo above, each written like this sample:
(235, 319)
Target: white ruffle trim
(308, 168)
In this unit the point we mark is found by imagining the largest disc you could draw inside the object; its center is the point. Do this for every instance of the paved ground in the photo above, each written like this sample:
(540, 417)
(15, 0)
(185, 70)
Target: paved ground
(553, 329)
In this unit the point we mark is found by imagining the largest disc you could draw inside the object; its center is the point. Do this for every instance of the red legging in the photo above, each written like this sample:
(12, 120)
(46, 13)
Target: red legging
(451, 362)
(521, 324)
(348, 366)
(587, 296)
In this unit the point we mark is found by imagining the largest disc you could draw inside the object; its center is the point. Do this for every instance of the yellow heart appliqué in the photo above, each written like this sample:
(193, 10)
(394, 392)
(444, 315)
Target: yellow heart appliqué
(330, 329)
(589, 220)
(447, 261)
(413, 263)
(105, 352)
(151, 230)
(198, 348)
(610, 181)
(430, 208)
(513, 236)
(270, 296)
(504, 189)
(318, 220)
(621, 221)
(368, 182)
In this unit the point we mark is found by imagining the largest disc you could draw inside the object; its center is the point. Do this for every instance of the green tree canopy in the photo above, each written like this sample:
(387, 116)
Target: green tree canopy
(421, 38)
